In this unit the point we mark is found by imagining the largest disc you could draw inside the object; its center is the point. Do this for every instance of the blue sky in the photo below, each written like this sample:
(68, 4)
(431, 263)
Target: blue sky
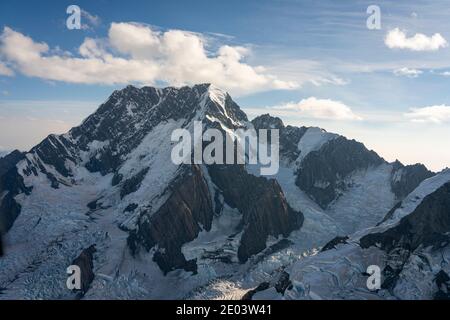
(309, 62)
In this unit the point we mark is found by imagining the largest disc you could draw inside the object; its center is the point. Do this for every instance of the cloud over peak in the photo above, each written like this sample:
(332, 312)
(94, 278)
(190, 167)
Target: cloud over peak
(397, 39)
(135, 53)
(326, 109)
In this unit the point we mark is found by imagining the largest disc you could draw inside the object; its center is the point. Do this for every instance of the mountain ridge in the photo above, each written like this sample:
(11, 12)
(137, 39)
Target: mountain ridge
(123, 195)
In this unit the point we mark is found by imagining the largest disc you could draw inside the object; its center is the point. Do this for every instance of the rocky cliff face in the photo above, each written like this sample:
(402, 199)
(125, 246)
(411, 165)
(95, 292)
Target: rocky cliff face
(406, 178)
(322, 173)
(289, 136)
(86, 263)
(187, 211)
(11, 184)
(427, 225)
(265, 211)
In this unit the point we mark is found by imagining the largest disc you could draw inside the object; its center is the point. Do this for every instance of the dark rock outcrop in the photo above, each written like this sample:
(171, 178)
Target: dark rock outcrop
(322, 172)
(262, 203)
(54, 151)
(179, 220)
(266, 121)
(189, 209)
(261, 287)
(1, 246)
(391, 212)
(427, 225)
(334, 242)
(442, 281)
(289, 136)
(11, 184)
(86, 263)
(283, 283)
(406, 178)
(10, 160)
(132, 185)
(114, 123)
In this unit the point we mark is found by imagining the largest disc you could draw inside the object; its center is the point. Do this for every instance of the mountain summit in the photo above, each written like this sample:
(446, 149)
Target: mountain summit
(107, 197)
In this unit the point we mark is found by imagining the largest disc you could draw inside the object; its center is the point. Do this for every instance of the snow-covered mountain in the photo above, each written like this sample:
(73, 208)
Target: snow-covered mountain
(3, 153)
(107, 197)
(410, 246)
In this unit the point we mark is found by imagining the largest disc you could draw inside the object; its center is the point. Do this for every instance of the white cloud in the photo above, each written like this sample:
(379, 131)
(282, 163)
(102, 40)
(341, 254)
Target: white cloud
(92, 20)
(137, 53)
(397, 39)
(5, 71)
(433, 114)
(445, 73)
(407, 72)
(303, 71)
(320, 109)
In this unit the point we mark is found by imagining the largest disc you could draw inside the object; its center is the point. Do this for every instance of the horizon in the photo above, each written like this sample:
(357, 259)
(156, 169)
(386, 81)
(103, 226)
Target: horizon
(200, 84)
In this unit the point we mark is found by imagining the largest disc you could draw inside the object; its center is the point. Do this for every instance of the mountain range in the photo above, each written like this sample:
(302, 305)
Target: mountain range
(107, 197)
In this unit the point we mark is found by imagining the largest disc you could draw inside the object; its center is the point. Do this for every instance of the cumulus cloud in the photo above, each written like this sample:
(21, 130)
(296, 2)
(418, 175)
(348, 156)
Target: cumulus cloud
(397, 39)
(135, 53)
(407, 72)
(433, 114)
(5, 71)
(320, 109)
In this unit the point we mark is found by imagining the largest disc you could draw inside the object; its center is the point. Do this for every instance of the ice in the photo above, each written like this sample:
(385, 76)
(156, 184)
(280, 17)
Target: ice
(313, 139)
(410, 203)
(366, 201)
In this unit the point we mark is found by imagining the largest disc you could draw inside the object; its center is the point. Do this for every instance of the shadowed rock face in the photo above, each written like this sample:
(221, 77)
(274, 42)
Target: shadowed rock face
(262, 203)
(11, 184)
(407, 178)
(334, 242)
(54, 151)
(132, 185)
(1, 245)
(442, 281)
(427, 225)
(322, 172)
(289, 136)
(86, 263)
(189, 209)
(10, 160)
(116, 120)
(179, 220)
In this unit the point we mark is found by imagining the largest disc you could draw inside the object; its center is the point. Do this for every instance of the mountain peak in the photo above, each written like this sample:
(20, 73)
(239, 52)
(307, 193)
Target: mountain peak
(267, 121)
